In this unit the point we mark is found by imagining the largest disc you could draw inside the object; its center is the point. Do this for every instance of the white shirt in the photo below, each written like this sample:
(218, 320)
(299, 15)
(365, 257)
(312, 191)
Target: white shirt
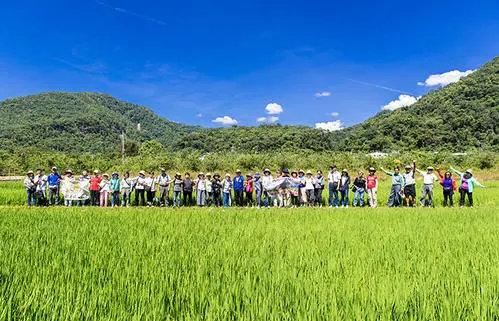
(140, 182)
(409, 178)
(266, 180)
(163, 181)
(334, 177)
(429, 179)
(200, 185)
(104, 185)
(41, 183)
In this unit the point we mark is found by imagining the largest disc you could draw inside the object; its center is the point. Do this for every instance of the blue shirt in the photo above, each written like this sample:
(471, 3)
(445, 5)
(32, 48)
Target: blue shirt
(54, 179)
(238, 183)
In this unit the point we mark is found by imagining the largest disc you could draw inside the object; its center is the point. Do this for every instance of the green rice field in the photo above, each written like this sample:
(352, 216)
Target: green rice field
(248, 264)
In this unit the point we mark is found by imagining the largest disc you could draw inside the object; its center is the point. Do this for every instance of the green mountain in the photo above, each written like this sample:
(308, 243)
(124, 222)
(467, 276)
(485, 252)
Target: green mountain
(81, 122)
(461, 116)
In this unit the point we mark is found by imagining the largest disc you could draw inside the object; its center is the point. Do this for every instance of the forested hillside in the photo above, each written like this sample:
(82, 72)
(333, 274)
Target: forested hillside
(81, 122)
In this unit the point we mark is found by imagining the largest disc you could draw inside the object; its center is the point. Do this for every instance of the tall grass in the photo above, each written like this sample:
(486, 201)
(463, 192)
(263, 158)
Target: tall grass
(192, 264)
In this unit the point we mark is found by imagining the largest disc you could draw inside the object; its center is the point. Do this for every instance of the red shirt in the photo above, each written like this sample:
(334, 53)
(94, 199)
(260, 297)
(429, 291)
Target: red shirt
(371, 181)
(94, 183)
(249, 186)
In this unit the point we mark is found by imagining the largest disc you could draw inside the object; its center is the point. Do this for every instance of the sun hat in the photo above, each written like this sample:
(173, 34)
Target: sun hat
(309, 173)
(344, 170)
(200, 174)
(266, 170)
(29, 172)
(54, 168)
(208, 174)
(142, 172)
(430, 168)
(469, 170)
(227, 175)
(216, 175)
(115, 173)
(177, 174)
(162, 169)
(249, 175)
(371, 169)
(408, 166)
(68, 171)
(96, 171)
(105, 175)
(301, 171)
(294, 172)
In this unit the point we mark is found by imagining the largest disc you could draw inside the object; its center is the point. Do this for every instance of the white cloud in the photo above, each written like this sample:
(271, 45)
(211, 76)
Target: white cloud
(322, 94)
(334, 114)
(330, 125)
(199, 115)
(274, 109)
(402, 101)
(445, 78)
(269, 119)
(225, 120)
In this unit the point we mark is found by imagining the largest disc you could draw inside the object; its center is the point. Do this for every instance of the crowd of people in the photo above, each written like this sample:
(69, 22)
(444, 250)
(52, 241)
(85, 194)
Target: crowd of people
(284, 188)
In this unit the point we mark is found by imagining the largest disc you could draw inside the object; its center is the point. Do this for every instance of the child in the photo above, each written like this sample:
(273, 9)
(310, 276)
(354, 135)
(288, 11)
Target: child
(294, 189)
(104, 190)
(227, 189)
(466, 186)
(344, 188)
(449, 185)
(395, 199)
(359, 188)
(216, 186)
(114, 187)
(428, 181)
(178, 184)
(248, 189)
(310, 188)
(258, 186)
(372, 187)
(201, 190)
(125, 188)
(187, 189)
(319, 187)
(29, 184)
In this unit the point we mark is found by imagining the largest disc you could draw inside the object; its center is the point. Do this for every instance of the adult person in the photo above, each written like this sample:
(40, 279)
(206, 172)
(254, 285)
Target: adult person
(333, 177)
(126, 185)
(449, 186)
(178, 184)
(104, 190)
(372, 187)
(41, 187)
(200, 190)
(248, 190)
(150, 188)
(95, 188)
(238, 184)
(429, 179)
(54, 184)
(310, 188)
(266, 181)
(67, 187)
(258, 186)
(226, 190)
(301, 189)
(209, 189)
(359, 188)
(84, 182)
(164, 181)
(344, 188)
(395, 199)
(187, 189)
(114, 189)
(30, 186)
(318, 188)
(466, 186)
(139, 187)
(216, 186)
(410, 185)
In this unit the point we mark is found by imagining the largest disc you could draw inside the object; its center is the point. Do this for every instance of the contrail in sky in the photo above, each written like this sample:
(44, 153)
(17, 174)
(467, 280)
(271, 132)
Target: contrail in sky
(131, 13)
(380, 87)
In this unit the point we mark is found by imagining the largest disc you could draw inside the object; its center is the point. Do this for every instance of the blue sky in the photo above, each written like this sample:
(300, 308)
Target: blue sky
(194, 61)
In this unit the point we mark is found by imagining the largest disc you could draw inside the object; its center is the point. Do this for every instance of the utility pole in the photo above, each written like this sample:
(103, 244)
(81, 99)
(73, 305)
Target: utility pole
(122, 147)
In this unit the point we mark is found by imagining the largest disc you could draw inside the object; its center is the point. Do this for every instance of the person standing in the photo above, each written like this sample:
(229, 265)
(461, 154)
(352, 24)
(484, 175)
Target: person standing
(187, 186)
(266, 181)
(410, 185)
(30, 186)
(238, 184)
(227, 189)
(248, 190)
(466, 186)
(344, 188)
(150, 188)
(359, 188)
(429, 179)
(216, 186)
(164, 187)
(104, 190)
(54, 182)
(41, 187)
(318, 188)
(372, 187)
(84, 182)
(95, 189)
(209, 189)
(201, 190)
(395, 199)
(114, 188)
(178, 184)
(139, 186)
(126, 189)
(333, 178)
(67, 185)
(449, 186)
(258, 186)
